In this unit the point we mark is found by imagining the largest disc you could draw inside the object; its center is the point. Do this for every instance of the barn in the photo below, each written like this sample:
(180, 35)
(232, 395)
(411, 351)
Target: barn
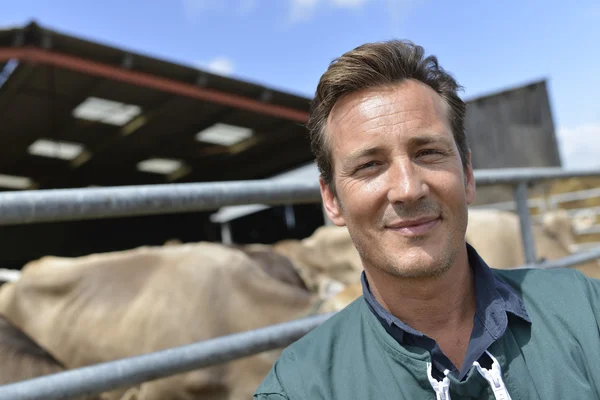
(76, 113)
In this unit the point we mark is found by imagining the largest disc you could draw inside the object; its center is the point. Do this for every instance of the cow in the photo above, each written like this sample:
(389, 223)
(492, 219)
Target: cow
(108, 306)
(21, 358)
(326, 261)
(496, 235)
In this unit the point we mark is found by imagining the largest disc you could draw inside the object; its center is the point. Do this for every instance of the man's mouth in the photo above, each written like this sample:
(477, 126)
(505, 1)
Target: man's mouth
(414, 227)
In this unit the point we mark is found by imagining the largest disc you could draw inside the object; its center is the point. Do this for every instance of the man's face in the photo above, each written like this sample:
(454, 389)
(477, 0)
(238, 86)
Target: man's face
(401, 188)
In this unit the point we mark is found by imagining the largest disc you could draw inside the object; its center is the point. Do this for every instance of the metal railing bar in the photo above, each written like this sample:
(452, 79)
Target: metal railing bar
(33, 206)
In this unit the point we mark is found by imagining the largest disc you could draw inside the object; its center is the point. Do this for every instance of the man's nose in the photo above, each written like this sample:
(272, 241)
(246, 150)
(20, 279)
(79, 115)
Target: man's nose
(405, 183)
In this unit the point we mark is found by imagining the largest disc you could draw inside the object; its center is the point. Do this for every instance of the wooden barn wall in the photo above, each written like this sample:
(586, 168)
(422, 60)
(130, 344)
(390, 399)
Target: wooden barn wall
(512, 129)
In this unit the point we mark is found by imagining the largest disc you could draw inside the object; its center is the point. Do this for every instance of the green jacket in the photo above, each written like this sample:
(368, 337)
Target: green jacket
(557, 356)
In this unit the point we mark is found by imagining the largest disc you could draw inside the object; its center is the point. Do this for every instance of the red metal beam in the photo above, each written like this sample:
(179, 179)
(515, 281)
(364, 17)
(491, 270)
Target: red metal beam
(35, 55)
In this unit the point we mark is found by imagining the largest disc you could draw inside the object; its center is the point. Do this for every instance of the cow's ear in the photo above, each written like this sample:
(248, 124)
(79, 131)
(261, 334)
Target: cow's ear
(331, 204)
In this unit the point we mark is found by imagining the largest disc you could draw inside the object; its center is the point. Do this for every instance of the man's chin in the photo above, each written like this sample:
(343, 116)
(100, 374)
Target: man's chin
(419, 263)
(422, 272)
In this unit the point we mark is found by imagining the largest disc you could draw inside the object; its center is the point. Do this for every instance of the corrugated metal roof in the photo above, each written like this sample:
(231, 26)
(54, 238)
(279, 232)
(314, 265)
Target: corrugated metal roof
(57, 72)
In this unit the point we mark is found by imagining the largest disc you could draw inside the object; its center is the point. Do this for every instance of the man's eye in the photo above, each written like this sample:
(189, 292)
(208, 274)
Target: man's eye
(366, 165)
(428, 152)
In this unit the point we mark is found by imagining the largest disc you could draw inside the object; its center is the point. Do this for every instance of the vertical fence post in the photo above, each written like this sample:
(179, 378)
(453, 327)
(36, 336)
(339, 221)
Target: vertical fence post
(226, 233)
(520, 195)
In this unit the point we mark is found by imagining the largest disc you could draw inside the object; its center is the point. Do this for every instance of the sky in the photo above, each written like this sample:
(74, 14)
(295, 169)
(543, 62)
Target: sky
(287, 44)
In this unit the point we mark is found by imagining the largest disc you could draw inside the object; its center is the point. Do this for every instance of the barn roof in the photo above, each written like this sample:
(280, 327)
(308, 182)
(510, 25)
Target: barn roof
(75, 113)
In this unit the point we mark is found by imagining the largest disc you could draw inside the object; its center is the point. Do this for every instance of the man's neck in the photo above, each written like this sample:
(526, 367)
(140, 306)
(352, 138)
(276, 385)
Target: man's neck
(431, 306)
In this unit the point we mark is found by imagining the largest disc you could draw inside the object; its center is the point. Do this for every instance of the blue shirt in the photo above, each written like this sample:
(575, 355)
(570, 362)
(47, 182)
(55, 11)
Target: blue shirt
(495, 301)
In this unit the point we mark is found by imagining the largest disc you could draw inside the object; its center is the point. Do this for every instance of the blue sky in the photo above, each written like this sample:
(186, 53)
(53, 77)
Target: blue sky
(287, 44)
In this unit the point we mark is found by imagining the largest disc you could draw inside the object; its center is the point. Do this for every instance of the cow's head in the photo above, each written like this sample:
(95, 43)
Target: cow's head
(327, 261)
(558, 224)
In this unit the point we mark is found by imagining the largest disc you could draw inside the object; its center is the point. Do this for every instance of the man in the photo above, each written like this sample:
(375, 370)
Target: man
(434, 320)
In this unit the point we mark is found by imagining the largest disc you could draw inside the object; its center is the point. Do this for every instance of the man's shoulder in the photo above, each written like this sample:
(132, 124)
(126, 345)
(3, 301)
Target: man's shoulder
(330, 331)
(545, 282)
(306, 357)
(550, 276)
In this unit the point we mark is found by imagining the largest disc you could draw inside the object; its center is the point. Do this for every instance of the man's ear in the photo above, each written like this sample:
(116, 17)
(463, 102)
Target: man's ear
(331, 204)
(469, 181)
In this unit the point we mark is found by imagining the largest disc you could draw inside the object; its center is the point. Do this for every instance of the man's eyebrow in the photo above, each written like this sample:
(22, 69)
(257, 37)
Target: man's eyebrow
(364, 152)
(416, 141)
(429, 138)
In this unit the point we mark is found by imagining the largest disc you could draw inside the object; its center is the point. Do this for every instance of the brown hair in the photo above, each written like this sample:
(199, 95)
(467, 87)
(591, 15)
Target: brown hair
(377, 64)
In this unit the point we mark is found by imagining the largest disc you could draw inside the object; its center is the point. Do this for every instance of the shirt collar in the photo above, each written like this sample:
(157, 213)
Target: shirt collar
(494, 299)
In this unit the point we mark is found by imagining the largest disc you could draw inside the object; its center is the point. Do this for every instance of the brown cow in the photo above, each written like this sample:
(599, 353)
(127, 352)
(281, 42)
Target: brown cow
(108, 306)
(327, 260)
(496, 235)
(21, 358)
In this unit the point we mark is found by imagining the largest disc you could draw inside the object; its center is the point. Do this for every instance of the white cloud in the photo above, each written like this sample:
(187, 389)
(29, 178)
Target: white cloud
(348, 3)
(399, 9)
(302, 10)
(194, 8)
(218, 65)
(197, 8)
(299, 10)
(247, 6)
(580, 145)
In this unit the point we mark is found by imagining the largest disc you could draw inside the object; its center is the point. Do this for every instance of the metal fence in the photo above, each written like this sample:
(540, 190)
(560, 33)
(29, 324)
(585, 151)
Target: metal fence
(90, 203)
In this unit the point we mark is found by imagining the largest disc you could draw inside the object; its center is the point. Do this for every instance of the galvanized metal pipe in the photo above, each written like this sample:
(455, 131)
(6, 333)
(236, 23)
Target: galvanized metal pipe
(34, 206)
(131, 371)
(568, 261)
(512, 176)
(520, 194)
(89, 203)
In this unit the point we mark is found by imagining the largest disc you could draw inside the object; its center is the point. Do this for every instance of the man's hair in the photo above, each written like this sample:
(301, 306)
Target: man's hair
(379, 64)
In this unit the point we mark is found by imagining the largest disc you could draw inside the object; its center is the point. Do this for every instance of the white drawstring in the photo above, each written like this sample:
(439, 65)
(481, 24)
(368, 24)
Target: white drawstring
(494, 378)
(441, 388)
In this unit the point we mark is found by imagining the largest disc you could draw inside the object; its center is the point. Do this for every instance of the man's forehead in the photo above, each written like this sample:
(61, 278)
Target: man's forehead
(409, 95)
(361, 102)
